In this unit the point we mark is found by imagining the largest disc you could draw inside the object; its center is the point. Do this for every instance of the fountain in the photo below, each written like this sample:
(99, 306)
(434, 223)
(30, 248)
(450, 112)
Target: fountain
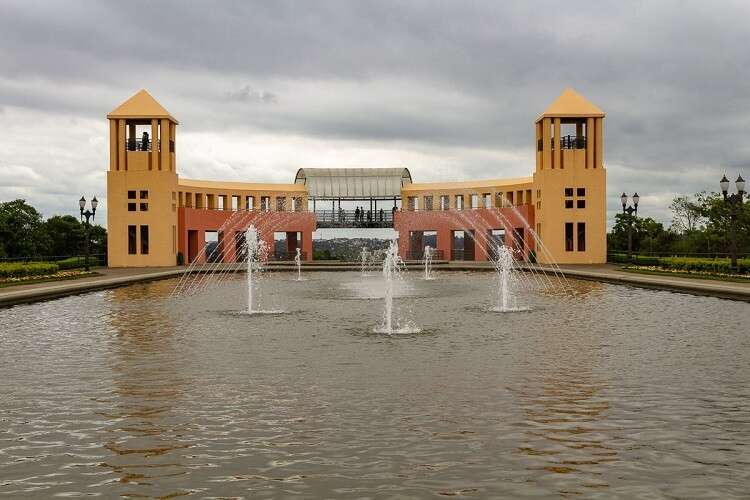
(504, 265)
(251, 241)
(364, 261)
(428, 263)
(298, 262)
(392, 265)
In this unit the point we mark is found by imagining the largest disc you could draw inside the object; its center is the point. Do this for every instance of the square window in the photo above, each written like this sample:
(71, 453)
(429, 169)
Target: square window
(580, 203)
(144, 207)
(144, 195)
(568, 203)
(581, 191)
(568, 191)
(131, 195)
(131, 207)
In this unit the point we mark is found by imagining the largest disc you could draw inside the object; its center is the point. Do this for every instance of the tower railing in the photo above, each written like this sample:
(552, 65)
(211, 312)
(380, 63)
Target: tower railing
(566, 142)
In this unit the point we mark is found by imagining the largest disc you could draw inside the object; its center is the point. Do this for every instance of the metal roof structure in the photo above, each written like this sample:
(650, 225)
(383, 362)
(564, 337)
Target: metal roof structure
(353, 183)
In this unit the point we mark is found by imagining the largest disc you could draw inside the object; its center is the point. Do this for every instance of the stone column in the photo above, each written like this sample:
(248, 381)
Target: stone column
(590, 141)
(598, 162)
(556, 150)
(164, 163)
(121, 146)
(153, 165)
(113, 145)
(546, 143)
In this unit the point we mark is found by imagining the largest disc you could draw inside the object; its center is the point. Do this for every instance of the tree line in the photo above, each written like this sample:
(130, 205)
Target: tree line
(700, 226)
(25, 234)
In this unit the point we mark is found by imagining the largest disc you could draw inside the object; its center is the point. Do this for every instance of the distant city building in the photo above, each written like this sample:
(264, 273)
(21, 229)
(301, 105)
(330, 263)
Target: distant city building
(556, 215)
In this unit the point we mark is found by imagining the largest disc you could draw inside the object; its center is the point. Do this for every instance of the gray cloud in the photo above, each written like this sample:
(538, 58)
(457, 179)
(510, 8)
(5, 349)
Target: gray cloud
(450, 88)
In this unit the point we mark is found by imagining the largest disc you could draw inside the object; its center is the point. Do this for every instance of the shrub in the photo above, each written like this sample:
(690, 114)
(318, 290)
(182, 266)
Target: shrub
(22, 269)
(72, 262)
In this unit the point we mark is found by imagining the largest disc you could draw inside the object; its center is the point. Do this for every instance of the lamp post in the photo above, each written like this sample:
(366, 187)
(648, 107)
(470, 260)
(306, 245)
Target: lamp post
(735, 202)
(630, 210)
(89, 214)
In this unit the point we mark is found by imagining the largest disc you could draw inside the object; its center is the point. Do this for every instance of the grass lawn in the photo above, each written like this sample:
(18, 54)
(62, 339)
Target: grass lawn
(683, 274)
(61, 276)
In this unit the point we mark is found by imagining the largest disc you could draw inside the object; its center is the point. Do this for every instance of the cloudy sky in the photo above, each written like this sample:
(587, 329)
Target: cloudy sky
(448, 89)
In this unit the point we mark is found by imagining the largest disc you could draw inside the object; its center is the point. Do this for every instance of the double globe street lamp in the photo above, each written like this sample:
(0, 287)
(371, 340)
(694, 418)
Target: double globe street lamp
(735, 203)
(630, 210)
(89, 214)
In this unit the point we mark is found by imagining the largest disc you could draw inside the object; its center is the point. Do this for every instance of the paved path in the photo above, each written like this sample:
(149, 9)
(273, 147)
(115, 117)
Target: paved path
(111, 278)
(611, 273)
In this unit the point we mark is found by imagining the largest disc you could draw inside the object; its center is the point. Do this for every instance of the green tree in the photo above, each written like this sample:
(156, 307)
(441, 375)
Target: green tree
(22, 232)
(648, 235)
(66, 235)
(687, 214)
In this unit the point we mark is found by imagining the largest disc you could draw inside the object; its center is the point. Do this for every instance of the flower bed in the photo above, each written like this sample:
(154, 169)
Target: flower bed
(25, 269)
(60, 275)
(686, 264)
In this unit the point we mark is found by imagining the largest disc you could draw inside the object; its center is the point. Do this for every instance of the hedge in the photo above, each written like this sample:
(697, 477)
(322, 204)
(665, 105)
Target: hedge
(695, 264)
(73, 262)
(21, 269)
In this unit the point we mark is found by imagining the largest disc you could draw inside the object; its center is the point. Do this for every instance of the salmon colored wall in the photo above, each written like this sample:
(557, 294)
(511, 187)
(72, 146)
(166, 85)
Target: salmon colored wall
(480, 220)
(266, 223)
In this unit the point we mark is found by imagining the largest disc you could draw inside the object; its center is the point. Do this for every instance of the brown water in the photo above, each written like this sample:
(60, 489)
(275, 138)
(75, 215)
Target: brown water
(614, 392)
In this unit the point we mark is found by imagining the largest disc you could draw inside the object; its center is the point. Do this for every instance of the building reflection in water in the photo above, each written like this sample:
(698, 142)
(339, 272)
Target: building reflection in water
(146, 430)
(567, 444)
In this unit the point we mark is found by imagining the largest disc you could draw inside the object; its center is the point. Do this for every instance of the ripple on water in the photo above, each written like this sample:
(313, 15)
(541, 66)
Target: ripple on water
(609, 392)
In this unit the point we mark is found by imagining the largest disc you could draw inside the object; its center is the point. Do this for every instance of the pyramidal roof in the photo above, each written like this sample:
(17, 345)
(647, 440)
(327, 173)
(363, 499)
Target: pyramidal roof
(141, 105)
(571, 104)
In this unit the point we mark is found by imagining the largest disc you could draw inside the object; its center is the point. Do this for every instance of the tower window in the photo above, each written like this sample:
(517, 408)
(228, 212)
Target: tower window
(580, 203)
(131, 195)
(131, 207)
(568, 203)
(568, 236)
(581, 236)
(568, 191)
(144, 207)
(144, 195)
(144, 240)
(580, 191)
(132, 245)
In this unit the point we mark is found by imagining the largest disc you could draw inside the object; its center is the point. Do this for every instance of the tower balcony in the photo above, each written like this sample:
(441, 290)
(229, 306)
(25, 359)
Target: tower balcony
(566, 142)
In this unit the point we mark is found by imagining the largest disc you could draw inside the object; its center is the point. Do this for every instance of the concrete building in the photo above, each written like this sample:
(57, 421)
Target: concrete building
(556, 215)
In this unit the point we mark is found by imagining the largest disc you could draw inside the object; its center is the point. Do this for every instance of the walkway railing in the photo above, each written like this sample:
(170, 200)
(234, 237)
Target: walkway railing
(354, 218)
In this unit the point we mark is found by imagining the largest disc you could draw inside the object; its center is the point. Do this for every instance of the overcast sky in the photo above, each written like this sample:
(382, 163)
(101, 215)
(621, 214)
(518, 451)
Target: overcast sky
(448, 89)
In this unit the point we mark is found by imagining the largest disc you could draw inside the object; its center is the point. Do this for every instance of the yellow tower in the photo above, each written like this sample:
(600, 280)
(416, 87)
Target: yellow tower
(141, 184)
(571, 182)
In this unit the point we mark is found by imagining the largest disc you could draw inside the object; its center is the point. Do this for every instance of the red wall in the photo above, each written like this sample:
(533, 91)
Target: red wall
(229, 222)
(480, 220)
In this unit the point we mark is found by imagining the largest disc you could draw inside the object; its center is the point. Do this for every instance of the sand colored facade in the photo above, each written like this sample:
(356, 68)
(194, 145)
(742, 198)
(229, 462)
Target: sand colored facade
(557, 214)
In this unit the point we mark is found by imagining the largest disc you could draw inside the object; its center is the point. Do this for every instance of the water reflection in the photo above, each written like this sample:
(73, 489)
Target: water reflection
(147, 386)
(566, 443)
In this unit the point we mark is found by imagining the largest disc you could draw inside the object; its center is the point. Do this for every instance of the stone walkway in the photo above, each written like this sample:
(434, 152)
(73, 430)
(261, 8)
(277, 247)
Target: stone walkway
(111, 278)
